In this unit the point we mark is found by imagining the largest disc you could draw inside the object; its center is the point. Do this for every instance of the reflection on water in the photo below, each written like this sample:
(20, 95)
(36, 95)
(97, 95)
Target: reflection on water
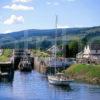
(34, 86)
(60, 88)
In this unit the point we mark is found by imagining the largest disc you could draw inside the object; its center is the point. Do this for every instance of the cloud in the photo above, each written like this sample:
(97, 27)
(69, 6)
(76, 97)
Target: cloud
(23, 1)
(52, 3)
(14, 19)
(18, 7)
(7, 31)
(59, 26)
(48, 3)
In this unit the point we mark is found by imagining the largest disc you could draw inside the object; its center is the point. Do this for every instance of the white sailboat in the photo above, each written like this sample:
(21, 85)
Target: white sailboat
(58, 78)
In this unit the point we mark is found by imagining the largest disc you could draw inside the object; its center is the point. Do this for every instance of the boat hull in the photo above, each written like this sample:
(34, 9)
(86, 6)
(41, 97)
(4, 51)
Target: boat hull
(58, 82)
(25, 67)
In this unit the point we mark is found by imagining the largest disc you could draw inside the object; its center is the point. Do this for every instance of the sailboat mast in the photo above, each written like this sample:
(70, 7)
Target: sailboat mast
(56, 22)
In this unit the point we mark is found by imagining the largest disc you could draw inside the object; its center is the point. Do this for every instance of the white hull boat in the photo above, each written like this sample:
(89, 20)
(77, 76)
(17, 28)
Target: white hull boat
(59, 80)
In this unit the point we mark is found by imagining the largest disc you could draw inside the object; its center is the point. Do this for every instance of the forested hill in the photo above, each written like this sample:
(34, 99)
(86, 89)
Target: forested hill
(6, 40)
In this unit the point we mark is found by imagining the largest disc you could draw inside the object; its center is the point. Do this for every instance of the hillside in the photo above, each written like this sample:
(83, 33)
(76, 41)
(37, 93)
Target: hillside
(17, 38)
(84, 72)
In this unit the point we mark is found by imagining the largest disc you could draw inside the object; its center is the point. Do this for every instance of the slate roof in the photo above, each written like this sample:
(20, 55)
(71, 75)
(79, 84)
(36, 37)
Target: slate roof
(95, 46)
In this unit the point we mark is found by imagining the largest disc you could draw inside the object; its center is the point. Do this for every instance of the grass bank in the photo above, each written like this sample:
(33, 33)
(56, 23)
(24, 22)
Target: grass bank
(84, 72)
(40, 53)
(7, 53)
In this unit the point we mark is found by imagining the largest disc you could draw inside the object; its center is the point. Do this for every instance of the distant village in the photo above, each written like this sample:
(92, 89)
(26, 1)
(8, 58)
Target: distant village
(89, 55)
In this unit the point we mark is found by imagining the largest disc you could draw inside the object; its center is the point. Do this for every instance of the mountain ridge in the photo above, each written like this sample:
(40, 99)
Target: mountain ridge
(48, 34)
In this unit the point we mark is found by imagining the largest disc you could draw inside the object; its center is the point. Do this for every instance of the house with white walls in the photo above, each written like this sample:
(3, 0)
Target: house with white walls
(1, 51)
(53, 49)
(90, 54)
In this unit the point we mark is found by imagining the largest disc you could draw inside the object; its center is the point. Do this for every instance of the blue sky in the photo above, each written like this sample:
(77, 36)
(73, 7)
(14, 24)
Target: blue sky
(18, 15)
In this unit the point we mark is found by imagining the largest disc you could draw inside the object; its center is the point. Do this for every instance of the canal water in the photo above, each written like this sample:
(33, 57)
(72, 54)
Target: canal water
(34, 86)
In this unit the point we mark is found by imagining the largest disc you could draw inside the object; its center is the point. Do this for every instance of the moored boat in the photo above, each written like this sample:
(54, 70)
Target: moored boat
(25, 64)
(59, 79)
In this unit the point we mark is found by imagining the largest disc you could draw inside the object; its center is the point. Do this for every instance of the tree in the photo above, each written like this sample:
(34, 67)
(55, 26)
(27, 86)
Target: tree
(45, 44)
(66, 51)
(73, 48)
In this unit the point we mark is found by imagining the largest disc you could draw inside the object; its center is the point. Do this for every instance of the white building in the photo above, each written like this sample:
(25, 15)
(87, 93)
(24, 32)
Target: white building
(53, 49)
(90, 54)
(1, 51)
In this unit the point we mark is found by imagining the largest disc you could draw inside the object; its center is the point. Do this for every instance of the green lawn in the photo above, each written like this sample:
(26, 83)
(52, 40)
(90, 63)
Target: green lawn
(40, 53)
(7, 53)
(90, 73)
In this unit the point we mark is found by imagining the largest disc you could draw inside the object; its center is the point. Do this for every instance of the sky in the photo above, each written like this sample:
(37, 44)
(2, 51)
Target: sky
(16, 15)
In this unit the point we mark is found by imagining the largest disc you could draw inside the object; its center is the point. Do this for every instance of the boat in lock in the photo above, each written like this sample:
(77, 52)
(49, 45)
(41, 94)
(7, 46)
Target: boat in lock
(25, 64)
